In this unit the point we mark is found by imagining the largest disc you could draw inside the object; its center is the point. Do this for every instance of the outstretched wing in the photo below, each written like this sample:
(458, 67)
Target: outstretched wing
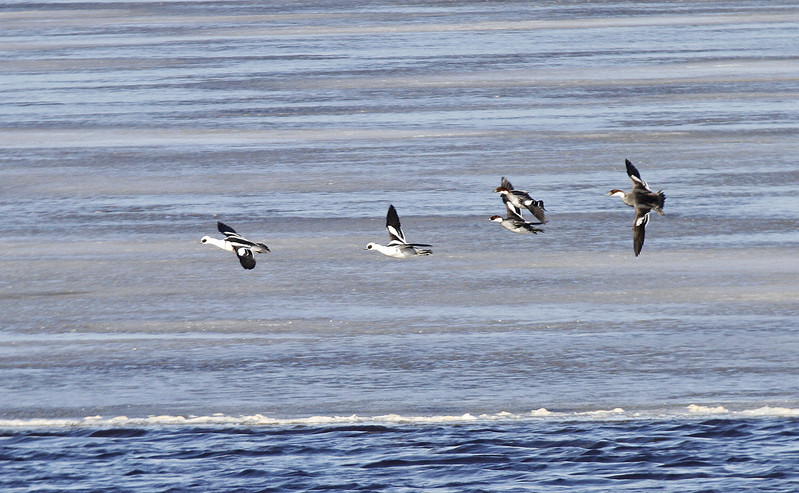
(513, 212)
(506, 184)
(635, 176)
(225, 229)
(246, 258)
(393, 226)
(639, 230)
(537, 208)
(237, 240)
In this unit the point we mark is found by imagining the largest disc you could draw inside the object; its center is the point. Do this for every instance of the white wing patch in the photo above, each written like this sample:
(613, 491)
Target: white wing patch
(395, 233)
(640, 181)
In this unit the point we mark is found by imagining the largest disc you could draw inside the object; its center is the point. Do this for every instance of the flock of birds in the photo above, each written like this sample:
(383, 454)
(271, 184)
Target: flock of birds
(641, 198)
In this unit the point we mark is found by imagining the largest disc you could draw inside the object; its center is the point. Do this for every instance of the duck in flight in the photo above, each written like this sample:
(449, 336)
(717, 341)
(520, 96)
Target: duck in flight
(521, 200)
(513, 221)
(643, 200)
(234, 242)
(398, 247)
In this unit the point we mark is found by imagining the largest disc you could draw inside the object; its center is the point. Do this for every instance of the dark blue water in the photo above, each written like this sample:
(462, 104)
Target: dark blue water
(718, 455)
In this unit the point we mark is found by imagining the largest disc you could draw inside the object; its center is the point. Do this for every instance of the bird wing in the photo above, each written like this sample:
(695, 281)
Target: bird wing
(231, 235)
(513, 212)
(635, 176)
(537, 208)
(639, 230)
(246, 258)
(393, 226)
(241, 242)
(237, 240)
(225, 229)
(506, 184)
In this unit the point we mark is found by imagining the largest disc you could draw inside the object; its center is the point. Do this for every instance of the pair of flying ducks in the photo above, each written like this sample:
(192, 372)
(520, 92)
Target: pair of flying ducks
(245, 249)
(641, 198)
(514, 201)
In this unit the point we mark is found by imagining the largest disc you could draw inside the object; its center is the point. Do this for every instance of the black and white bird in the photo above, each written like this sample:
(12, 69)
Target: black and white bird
(643, 200)
(234, 242)
(521, 200)
(513, 220)
(398, 247)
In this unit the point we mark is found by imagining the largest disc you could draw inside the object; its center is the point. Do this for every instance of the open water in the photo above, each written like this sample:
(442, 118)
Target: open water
(134, 358)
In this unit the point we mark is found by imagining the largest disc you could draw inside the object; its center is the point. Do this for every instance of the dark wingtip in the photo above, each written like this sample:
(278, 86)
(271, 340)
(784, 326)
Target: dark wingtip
(224, 228)
(392, 217)
(632, 170)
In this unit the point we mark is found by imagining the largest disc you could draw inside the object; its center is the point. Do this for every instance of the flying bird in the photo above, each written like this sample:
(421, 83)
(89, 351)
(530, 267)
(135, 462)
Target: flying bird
(521, 200)
(234, 242)
(398, 247)
(513, 220)
(643, 200)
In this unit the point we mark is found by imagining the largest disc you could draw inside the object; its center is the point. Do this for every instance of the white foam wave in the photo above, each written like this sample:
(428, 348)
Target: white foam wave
(771, 411)
(691, 411)
(696, 409)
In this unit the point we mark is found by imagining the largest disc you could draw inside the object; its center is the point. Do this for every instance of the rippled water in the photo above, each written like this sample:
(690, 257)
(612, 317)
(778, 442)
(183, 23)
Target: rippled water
(685, 455)
(502, 362)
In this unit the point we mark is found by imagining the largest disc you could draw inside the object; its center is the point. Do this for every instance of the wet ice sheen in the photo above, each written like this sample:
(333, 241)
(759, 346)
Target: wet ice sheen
(497, 363)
